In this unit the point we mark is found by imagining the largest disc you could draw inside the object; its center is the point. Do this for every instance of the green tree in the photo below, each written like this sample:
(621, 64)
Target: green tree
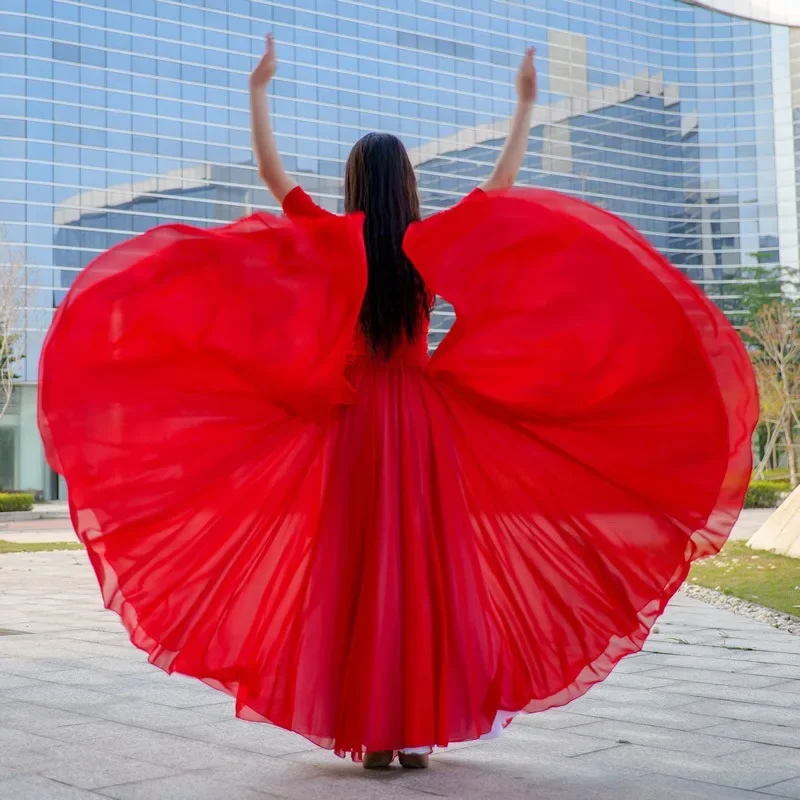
(764, 285)
(774, 335)
(768, 297)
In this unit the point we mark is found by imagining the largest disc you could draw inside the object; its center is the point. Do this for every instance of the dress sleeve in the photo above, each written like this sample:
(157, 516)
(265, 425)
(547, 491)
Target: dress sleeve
(476, 194)
(298, 203)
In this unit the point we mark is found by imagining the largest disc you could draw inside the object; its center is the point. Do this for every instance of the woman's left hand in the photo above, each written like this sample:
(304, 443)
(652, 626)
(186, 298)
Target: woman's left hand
(527, 83)
(266, 68)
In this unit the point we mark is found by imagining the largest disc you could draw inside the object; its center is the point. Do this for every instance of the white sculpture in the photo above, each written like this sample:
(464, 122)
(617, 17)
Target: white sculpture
(781, 532)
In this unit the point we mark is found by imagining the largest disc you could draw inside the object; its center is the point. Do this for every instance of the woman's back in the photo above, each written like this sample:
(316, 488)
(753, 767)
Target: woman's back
(379, 182)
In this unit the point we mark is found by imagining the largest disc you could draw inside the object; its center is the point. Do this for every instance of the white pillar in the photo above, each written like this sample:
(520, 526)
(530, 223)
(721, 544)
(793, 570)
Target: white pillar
(33, 470)
(784, 150)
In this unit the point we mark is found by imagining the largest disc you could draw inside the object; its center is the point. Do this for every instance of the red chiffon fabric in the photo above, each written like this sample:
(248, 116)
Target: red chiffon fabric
(385, 554)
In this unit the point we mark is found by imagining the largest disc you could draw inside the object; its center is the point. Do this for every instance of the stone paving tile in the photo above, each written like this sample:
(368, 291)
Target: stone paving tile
(640, 662)
(6, 773)
(542, 771)
(764, 644)
(162, 692)
(104, 637)
(124, 665)
(37, 787)
(654, 698)
(749, 712)
(787, 671)
(639, 680)
(554, 719)
(731, 771)
(757, 657)
(757, 733)
(16, 745)
(738, 694)
(249, 736)
(214, 712)
(19, 760)
(33, 667)
(95, 720)
(93, 731)
(709, 741)
(142, 714)
(280, 775)
(713, 658)
(34, 718)
(78, 676)
(169, 749)
(793, 687)
(689, 675)
(381, 787)
(564, 743)
(86, 768)
(665, 647)
(488, 770)
(659, 787)
(455, 779)
(14, 682)
(67, 698)
(54, 627)
(789, 789)
(764, 757)
(80, 647)
(181, 787)
(682, 719)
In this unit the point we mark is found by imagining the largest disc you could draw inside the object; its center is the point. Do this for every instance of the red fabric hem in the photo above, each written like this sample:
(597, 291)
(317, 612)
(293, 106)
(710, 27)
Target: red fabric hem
(599, 669)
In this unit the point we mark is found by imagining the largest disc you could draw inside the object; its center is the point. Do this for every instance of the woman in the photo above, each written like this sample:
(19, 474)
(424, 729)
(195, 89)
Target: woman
(283, 496)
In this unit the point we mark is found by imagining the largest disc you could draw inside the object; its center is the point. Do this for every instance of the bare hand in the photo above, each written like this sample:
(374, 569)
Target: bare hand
(527, 84)
(266, 68)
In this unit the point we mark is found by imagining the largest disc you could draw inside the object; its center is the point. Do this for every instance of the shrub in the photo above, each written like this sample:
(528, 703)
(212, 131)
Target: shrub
(766, 494)
(38, 494)
(18, 501)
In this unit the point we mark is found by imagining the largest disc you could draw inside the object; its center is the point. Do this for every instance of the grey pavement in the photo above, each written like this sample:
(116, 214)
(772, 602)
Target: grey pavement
(37, 530)
(749, 522)
(41, 511)
(710, 710)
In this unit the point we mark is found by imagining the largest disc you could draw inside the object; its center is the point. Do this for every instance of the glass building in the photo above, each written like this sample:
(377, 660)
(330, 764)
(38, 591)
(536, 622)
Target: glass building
(117, 115)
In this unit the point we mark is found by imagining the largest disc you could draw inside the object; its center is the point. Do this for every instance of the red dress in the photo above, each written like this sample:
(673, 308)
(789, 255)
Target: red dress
(386, 554)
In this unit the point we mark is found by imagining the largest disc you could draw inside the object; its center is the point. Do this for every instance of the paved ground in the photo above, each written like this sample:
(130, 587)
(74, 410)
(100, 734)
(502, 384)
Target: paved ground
(37, 530)
(749, 522)
(711, 710)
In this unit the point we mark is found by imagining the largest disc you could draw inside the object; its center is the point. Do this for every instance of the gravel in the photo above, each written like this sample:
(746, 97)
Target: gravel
(775, 619)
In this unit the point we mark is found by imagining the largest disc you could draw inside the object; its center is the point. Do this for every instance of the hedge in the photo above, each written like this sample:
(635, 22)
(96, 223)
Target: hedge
(18, 501)
(766, 494)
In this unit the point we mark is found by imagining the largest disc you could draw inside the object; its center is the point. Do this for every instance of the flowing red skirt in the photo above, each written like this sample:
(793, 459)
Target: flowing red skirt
(385, 554)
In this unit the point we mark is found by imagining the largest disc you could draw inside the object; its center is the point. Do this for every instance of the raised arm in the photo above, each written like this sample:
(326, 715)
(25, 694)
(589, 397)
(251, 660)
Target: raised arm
(268, 158)
(505, 170)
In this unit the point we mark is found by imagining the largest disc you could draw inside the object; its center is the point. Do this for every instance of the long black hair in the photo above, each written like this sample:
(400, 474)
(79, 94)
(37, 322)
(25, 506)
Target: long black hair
(380, 182)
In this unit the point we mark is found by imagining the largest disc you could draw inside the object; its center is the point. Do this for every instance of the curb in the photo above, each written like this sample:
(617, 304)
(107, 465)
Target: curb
(28, 516)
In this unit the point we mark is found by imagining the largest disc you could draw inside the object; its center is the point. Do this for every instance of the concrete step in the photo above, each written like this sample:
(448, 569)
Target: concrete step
(39, 511)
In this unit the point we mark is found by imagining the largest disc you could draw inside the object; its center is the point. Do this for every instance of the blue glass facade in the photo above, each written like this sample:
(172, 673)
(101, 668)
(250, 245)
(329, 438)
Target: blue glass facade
(117, 115)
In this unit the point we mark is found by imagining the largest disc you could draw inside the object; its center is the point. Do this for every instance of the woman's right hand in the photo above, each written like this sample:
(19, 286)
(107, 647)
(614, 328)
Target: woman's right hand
(513, 154)
(527, 83)
(267, 67)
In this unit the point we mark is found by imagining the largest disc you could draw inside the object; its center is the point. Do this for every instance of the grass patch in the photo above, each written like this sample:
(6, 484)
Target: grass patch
(37, 547)
(755, 575)
(781, 474)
